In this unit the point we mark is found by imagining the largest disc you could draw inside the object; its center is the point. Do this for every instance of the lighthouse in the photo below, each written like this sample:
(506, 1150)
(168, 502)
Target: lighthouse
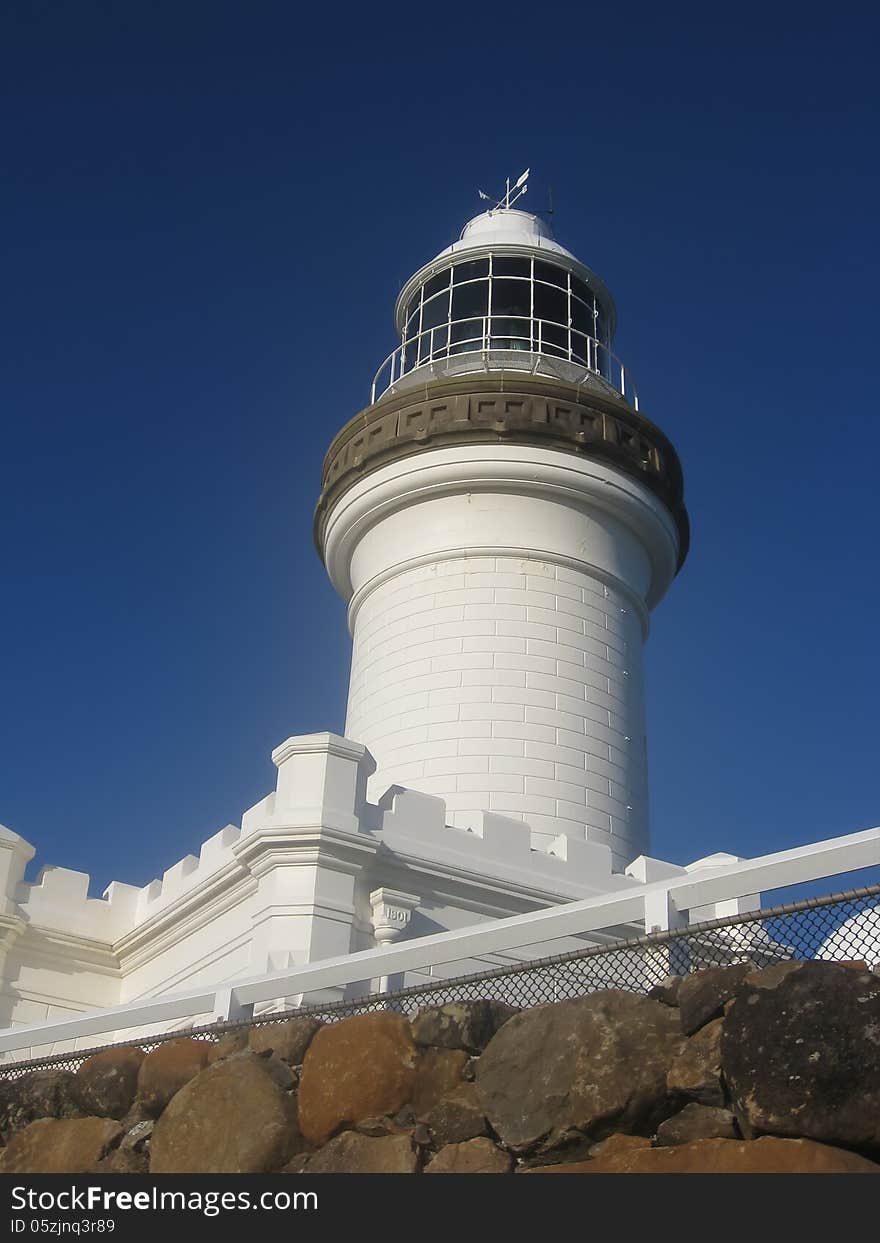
(500, 521)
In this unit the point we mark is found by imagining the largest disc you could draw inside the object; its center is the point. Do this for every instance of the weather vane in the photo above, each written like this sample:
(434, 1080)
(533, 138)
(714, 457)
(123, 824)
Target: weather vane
(511, 194)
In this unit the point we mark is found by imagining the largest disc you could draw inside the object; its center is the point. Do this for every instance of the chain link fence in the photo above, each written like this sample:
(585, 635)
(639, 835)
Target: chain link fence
(843, 927)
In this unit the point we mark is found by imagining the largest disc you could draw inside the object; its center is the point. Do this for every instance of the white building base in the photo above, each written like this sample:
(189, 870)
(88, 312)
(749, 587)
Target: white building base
(315, 871)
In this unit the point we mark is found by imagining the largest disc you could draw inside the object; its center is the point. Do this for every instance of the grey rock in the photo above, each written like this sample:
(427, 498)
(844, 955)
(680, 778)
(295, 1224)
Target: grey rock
(696, 1072)
(702, 995)
(457, 1117)
(466, 1025)
(589, 1066)
(801, 1056)
(667, 990)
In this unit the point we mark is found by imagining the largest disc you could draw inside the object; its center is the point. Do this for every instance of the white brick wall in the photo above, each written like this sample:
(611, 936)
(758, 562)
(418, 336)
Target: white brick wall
(508, 685)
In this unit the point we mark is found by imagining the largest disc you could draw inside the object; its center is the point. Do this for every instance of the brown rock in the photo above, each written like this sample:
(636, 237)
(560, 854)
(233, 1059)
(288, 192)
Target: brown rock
(124, 1161)
(40, 1094)
(697, 1122)
(106, 1083)
(619, 1143)
(457, 1117)
(227, 1046)
(803, 1057)
(476, 1156)
(590, 1065)
(138, 1136)
(164, 1071)
(59, 1146)
(351, 1153)
(461, 1024)
(288, 1040)
(703, 994)
(726, 1156)
(696, 1072)
(297, 1164)
(438, 1072)
(233, 1118)
(359, 1068)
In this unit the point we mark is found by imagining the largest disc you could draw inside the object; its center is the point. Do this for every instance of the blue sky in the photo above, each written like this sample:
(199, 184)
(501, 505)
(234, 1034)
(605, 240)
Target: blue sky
(207, 213)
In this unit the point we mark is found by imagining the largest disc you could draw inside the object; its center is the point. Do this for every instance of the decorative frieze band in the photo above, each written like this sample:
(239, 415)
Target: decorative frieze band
(470, 410)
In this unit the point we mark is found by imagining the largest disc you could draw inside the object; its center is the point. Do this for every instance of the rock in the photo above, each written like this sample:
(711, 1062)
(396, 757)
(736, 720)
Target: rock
(359, 1068)
(726, 1156)
(288, 1040)
(106, 1082)
(351, 1153)
(380, 1126)
(457, 1118)
(667, 990)
(802, 1057)
(297, 1164)
(59, 1146)
(769, 977)
(40, 1094)
(697, 1122)
(696, 1072)
(461, 1024)
(476, 1156)
(233, 1118)
(138, 1136)
(438, 1072)
(164, 1071)
(619, 1143)
(227, 1046)
(123, 1161)
(285, 1076)
(702, 995)
(591, 1065)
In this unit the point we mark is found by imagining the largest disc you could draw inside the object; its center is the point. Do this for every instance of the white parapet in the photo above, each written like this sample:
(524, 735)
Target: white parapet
(499, 598)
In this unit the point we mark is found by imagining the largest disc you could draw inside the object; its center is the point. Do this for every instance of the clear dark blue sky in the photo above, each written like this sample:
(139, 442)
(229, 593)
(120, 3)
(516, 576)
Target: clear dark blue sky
(208, 209)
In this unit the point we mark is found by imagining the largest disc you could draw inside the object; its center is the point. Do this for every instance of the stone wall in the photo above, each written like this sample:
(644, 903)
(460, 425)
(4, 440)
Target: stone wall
(728, 1070)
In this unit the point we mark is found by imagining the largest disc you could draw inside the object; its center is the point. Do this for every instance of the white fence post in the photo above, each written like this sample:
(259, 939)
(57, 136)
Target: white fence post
(228, 1009)
(662, 915)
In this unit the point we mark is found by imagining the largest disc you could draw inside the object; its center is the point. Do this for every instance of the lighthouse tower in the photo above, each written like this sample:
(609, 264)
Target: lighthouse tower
(500, 520)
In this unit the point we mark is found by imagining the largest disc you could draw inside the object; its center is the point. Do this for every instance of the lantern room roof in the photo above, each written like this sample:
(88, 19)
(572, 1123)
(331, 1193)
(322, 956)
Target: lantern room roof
(506, 226)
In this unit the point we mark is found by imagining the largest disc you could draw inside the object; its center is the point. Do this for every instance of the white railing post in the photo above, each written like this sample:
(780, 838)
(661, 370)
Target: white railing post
(228, 1009)
(662, 915)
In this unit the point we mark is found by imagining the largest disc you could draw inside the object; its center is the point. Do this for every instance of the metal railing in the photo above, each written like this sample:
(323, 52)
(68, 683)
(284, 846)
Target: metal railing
(848, 923)
(511, 343)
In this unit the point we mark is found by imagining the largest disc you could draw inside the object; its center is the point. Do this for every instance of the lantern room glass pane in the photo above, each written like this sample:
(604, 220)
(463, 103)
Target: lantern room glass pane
(435, 312)
(551, 304)
(580, 289)
(511, 265)
(551, 274)
(554, 340)
(510, 297)
(472, 270)
(436, 283)
(471, 299)
(581, 317)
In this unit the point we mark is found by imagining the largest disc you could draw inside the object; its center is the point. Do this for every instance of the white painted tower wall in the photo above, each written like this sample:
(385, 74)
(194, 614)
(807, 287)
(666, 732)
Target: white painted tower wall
(499, 598)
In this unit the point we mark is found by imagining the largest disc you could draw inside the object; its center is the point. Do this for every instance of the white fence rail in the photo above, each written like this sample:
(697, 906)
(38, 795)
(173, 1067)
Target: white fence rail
(658, 905)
